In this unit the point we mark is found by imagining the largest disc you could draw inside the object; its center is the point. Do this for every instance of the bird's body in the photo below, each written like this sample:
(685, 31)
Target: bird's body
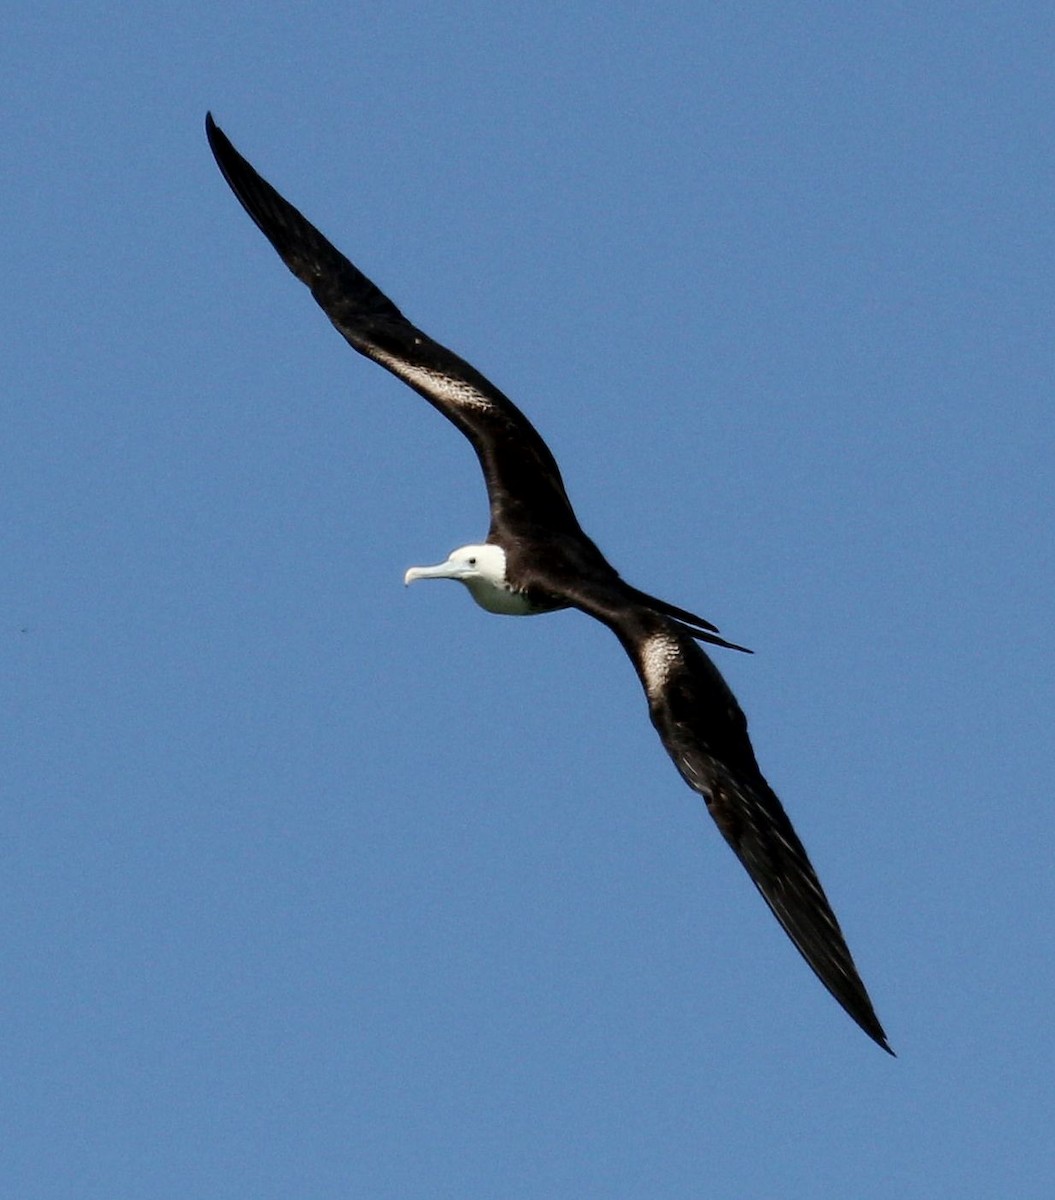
(537, 559)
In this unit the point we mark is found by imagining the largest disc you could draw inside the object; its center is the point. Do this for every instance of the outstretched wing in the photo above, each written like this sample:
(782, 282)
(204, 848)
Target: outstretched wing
(705, 733)
(524, 485)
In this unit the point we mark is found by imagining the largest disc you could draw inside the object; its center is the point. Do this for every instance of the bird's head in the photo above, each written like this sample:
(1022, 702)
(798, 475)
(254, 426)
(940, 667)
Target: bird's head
(487, 563)
(483, 571)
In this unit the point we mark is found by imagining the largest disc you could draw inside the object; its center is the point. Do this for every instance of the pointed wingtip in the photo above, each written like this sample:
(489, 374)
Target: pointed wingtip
(213, 132)
(219, 143)
(870, 1024)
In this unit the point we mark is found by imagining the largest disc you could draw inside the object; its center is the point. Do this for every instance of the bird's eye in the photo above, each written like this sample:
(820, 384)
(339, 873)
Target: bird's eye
(472, 562)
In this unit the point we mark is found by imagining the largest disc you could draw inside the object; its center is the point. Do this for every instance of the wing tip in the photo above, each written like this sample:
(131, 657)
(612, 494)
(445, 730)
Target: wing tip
(876, 1033)
(219, 143)
(865, 1019)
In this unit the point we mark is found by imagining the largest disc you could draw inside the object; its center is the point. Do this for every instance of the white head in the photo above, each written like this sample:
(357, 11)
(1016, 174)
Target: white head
(483, 571)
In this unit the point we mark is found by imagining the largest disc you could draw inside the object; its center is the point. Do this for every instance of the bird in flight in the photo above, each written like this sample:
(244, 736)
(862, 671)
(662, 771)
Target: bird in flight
(536, 559)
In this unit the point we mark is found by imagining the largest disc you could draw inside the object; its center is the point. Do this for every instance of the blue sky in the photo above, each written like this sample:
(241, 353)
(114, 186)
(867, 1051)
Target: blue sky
(315, 886)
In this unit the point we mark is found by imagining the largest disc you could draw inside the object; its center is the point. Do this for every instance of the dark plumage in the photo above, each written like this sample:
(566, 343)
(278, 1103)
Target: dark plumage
(536, 558)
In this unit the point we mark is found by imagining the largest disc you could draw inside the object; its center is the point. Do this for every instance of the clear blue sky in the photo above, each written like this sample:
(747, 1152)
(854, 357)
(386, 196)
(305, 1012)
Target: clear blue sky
(314, 886)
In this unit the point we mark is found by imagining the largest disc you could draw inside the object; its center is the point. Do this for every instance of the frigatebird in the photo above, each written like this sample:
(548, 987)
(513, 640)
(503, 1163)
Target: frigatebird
(537, 559)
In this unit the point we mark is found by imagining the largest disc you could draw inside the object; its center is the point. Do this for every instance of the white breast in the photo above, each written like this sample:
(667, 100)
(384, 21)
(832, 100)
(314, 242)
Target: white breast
(498, 598)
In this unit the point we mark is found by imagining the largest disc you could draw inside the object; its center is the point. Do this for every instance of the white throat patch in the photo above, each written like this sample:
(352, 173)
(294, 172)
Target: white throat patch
(486, 579)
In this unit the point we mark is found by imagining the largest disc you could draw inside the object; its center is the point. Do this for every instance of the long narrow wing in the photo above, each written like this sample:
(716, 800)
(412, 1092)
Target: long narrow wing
(524, 485)
(705, 733)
